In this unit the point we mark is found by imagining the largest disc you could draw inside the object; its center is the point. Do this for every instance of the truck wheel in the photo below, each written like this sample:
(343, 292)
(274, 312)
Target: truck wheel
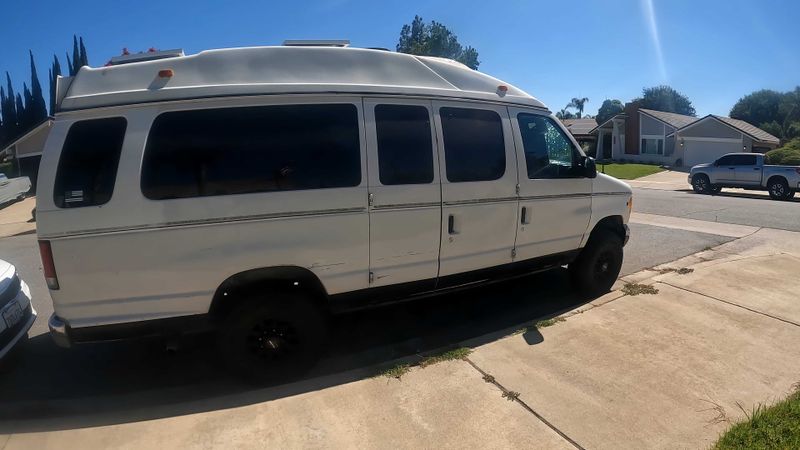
(701, 184)
(268, 340)
(598, 265)
(714, 190)
(779, 189)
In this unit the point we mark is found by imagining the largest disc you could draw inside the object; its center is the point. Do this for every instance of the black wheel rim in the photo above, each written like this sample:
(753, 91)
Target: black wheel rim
(273, 340)
(700, 182)
(777, 190)
(603, 266)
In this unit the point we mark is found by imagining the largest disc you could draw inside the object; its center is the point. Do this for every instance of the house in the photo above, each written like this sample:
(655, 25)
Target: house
(646, 135)
(581, 129)
(27, 150)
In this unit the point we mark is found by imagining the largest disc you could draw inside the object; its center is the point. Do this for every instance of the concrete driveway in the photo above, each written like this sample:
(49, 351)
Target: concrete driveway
(647, 371)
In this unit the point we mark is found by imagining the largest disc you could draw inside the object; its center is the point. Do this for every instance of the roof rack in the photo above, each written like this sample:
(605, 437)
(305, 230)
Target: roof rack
(316, 43)
(145, 56)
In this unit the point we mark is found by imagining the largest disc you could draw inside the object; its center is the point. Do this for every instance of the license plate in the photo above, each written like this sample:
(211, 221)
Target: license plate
(12, 314)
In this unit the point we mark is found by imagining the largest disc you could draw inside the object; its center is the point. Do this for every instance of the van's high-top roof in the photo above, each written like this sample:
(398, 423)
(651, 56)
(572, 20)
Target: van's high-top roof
(281, 70)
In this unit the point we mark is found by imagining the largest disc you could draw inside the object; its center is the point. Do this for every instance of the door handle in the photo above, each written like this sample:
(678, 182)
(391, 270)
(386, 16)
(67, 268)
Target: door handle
(731, 168)
(524, 215)
(756, 168)
(451, 224)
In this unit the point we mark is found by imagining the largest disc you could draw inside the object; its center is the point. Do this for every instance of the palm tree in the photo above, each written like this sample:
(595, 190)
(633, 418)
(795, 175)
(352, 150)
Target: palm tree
(578, 103)
(564, 114)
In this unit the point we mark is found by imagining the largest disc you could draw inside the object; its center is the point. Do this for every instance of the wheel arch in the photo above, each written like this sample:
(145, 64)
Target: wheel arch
(242, 285)
(612, 223)
(777, 177)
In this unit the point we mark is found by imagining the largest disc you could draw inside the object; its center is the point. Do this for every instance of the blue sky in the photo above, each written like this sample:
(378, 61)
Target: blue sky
(714, 51)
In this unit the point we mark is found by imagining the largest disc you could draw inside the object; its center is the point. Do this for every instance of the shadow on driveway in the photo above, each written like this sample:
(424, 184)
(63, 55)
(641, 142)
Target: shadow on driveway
(49, 388)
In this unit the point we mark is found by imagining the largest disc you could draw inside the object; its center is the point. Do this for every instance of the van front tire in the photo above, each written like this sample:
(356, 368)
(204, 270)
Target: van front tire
(275, 339)
(597, 267)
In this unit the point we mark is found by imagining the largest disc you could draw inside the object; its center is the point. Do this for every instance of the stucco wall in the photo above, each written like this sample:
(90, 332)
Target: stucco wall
(648, 125)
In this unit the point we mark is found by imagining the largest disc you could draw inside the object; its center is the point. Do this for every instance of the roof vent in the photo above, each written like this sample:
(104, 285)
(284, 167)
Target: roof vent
(316, 43)
(145, 56)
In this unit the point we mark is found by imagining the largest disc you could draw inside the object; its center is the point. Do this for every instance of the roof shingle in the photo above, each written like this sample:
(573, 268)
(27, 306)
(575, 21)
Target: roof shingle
(747, 128)
(673, 119)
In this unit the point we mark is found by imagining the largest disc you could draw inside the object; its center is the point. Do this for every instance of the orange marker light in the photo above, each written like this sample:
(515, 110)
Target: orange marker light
(502, 88)
(166, 73)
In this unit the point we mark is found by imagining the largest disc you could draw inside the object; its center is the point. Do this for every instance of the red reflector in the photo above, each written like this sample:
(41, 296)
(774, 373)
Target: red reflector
(48, 265)
(166, 73)
(502, 88)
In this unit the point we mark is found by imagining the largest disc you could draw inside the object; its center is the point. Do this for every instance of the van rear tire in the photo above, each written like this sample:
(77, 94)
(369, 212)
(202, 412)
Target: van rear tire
(597, 267)
(271, 340)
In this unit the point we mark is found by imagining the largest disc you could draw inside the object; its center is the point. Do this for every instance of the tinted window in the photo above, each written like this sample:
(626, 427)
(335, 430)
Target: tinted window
(726, 160)
(87, 168)
(473, 144)
(255, 149)
(405, 153)
(744, 160)
(548, 152)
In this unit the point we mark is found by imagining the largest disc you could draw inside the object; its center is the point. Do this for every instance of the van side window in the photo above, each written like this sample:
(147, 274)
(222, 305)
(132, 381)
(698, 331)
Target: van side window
(243, 150)
(87, 168)
(473, 144)
(548, 152)
(405, 151)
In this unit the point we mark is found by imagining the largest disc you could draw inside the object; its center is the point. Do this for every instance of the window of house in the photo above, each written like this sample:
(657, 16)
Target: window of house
(548, 151)
(473, 144)
(405, 150)
(229, 151)
(652, 146)
(87, 168)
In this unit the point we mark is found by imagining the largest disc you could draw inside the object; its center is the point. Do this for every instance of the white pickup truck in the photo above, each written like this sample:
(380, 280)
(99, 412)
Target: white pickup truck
(747, 171)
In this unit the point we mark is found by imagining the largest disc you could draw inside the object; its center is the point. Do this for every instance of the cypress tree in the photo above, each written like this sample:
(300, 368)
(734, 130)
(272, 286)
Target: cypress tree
(84, 56)
(19, 106)
(55, 72)
(10, 111)
(76, 57)
(37, 109)
(25, 119)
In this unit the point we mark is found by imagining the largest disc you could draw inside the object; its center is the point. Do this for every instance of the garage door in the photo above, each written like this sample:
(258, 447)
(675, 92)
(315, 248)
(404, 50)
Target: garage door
(698, 152)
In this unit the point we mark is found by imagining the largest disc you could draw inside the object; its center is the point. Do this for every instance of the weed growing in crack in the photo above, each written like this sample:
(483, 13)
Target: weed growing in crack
(488, 378)
(637, 289)
(396, 372)
(549, 322)
(510, 395)
(452, 355)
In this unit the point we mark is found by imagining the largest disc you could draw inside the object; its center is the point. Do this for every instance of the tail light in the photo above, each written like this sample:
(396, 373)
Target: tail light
(48, 265)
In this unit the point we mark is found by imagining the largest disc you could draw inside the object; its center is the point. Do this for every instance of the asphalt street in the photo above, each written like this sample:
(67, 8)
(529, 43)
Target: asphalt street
(731, 206)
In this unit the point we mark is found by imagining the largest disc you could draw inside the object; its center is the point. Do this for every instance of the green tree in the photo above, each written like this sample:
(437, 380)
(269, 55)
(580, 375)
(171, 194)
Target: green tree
(664, 98)
(579, 104)
(37, 108)
(758, 107)
(9, 109)
(435, 39)
(608, 109)
(565, 114)
(54, 73)
(777, 113)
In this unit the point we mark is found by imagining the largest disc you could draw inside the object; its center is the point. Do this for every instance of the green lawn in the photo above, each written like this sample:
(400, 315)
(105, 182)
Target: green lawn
(625, 171)
(777, 426)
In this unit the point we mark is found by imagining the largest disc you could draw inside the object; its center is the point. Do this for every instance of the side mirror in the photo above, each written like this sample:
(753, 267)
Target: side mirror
(590, 167)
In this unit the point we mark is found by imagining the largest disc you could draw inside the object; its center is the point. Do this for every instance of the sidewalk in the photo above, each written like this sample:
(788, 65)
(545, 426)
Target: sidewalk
(668, 370)
(16, 218)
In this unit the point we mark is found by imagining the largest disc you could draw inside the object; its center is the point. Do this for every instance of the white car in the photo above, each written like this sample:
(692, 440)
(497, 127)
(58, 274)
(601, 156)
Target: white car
(13, 188)
(252, 191)
(16, 312)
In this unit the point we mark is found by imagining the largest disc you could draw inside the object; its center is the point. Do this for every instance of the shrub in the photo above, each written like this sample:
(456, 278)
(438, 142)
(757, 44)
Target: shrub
(788, 155)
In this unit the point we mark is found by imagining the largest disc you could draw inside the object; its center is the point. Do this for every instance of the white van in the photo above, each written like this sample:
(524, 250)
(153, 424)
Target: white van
(252, 191)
